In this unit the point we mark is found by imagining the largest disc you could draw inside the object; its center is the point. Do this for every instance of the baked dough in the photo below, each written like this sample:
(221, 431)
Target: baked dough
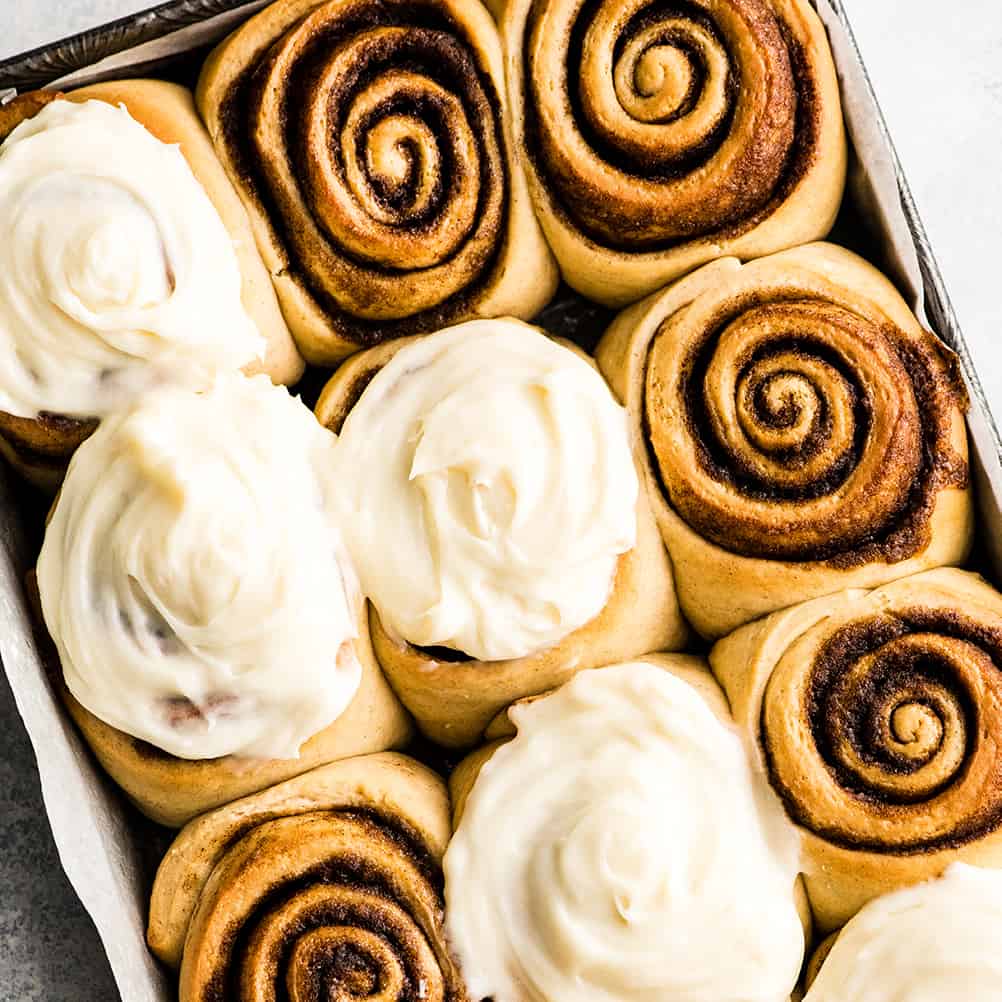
(379, 176)
(800, 432)
(658, 138)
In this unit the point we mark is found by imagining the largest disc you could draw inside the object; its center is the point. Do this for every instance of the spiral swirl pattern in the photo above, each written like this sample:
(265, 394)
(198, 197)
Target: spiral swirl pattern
(327, 887)
(900, 714)
(661, 97)
(801, 433)
(368, 138)
(649, 126)
(334, 910)
(795, 421)
(879, 719)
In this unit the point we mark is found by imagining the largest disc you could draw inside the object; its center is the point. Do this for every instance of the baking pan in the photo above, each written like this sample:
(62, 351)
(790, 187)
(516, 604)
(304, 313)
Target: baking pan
(108, 850)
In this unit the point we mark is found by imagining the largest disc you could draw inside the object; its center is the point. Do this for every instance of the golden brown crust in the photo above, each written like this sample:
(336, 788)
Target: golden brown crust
(172, 790)
(415, 216)
(800, 432)
(817, 959)
(22, 107)
(452, 697)
(40, 449)
(879, 717)
(332, 878)
(656, 140)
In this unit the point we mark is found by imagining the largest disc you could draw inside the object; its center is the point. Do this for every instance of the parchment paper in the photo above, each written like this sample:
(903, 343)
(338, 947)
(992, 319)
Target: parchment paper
(99, 843)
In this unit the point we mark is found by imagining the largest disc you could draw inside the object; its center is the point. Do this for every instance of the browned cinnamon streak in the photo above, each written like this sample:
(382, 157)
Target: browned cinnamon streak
(432, 49)
(352, 394)
(47, 438)
(340, 929)
(891, 697)
(23, 107)
(768, 161)
(891, 519)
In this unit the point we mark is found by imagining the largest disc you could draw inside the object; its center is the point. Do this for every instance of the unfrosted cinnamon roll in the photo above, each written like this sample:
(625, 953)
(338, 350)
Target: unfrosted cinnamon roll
(326, 887)
(127, 261)
(879, 718)
(490, 504)
(369, 142)
(937, 942)
(209, 627)
(800, 432)
(619, 846)
(659, 136)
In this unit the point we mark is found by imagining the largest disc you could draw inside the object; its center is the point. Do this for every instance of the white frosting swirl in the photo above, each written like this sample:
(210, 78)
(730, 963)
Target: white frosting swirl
(620, 849)
(488, 490)
(116, 271)
(192, 574)
(935, 942)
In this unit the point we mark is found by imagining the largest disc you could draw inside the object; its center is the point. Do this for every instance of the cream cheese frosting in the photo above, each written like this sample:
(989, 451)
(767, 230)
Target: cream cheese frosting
(487, 490)
(934, 942)
(193, 577)
(116, 271)
(620, 849)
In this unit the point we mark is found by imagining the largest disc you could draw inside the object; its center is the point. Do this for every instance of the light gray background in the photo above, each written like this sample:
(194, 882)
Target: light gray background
(937, 69)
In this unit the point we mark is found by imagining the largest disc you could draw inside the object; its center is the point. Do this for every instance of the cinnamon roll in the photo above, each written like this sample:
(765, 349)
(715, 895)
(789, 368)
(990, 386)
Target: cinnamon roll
(642, 858)
(326, 887)
(659, 136)
(879, 718)
(800, 432)
(491, 507)
(937, 942)
(369, 140)
(209, 628)
(128, 261)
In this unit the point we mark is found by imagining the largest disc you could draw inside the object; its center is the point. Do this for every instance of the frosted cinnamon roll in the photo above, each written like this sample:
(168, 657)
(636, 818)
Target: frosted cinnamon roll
(657, 137)
(370, 143)
(937, 942)
(800, 432)
(879, 717)
(327, 886)
(641, 857)
(128, 262)
(209, 627)
(491, 507)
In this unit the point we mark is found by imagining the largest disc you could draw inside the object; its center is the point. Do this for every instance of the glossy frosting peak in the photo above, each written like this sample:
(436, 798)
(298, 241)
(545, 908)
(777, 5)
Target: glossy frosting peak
(935, 942)
(116, 271)
(192, 575)
(619, 849)
(488, 490)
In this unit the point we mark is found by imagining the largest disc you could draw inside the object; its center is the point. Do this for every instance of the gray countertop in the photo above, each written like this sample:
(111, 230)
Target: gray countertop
(939, 78)
(49, 951)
